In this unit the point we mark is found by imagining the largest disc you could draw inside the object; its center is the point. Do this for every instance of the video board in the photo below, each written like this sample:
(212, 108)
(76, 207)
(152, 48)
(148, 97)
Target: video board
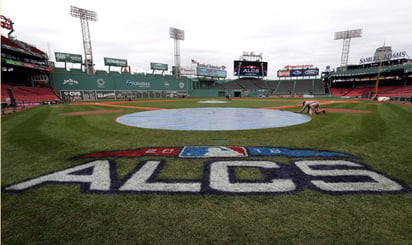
(250, 68)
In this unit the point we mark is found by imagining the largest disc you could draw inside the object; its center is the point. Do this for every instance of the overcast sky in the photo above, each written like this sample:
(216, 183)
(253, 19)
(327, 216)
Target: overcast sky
(295, 32)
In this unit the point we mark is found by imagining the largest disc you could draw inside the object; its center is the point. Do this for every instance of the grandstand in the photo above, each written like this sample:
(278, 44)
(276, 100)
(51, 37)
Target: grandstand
(367, 92)
(274, 87)
(390, 77)
(25, 73)
(30, 95)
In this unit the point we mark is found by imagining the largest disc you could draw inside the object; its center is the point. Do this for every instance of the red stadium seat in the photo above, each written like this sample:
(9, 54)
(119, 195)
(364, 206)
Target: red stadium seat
(29, 94)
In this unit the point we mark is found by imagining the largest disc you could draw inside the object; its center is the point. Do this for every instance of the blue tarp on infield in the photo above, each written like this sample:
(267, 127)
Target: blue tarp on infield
(213, 119)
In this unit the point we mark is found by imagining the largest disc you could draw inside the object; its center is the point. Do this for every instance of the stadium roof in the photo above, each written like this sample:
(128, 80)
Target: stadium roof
(21, 47)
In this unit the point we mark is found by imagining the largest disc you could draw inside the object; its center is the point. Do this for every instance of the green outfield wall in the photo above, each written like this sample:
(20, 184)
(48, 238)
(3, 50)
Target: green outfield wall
(75, 84)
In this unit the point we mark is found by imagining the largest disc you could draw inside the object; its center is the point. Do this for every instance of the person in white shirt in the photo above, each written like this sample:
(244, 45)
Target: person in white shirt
(312, 107)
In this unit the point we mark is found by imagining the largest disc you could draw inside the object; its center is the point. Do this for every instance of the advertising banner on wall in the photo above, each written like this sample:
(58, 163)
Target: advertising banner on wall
(188, 70)
(115, 62)
(23, 64)
(69, 58)
(208, 72)
(386, 56)
(158, 66)
(283, 73)
(298, 71)
(311, 72)
(250, 68)
(102, 95)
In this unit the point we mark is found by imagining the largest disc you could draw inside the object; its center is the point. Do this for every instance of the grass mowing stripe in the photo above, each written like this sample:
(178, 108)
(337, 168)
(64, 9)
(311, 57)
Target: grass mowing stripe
(60, 214)
(32, 137)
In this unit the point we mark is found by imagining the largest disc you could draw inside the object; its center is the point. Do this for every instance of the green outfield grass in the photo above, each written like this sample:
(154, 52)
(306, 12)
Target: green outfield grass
(40, 140)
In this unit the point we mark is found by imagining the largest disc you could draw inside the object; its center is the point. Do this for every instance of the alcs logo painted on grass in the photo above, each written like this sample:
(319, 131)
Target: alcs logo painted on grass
(324, 171)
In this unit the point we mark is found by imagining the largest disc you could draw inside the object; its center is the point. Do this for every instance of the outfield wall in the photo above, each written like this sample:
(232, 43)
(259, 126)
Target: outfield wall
(77, 85)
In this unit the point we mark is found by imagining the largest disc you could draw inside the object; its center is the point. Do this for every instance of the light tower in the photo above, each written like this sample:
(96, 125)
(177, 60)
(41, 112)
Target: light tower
(346, 36)
(84, 16)
(177, 35)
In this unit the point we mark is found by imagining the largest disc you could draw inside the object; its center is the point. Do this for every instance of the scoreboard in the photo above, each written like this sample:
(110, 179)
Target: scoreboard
(250, 68)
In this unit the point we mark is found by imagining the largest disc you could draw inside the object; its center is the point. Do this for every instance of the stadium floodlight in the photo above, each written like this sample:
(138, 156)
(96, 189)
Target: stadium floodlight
(177, 35)
(251, 56)
(83, 13)
(347, 36)
(84, 16)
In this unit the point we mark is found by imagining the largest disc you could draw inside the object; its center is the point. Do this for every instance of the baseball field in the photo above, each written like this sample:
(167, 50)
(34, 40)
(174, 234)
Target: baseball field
(71, 174)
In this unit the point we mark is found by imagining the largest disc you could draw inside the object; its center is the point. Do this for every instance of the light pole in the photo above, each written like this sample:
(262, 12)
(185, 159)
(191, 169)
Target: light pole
(346, 36)
(84, 16)
(177, 35)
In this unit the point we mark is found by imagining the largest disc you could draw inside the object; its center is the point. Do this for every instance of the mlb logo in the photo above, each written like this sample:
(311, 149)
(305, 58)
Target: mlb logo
(212, 151)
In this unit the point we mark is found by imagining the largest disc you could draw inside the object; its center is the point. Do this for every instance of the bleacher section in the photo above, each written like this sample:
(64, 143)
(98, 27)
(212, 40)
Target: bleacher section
(29, 94)
(318, 87)
(340, 91)
(275, 87)
(396, 91)
(232, 85)
(390, 91)
(284, 87)
(250, 83)
(272, 85)
(303, 87)
(395, 79)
